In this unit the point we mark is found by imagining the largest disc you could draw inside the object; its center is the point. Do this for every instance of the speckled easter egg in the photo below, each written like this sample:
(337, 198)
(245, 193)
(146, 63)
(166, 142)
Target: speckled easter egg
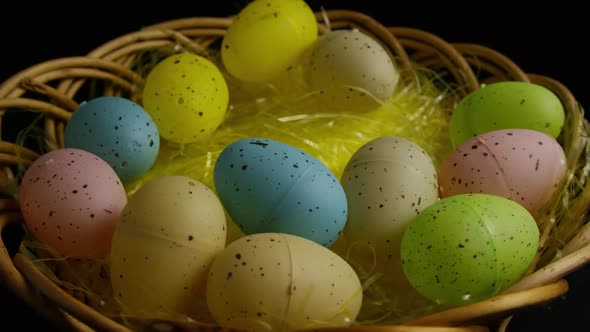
(170, 231)
(269, 186)
(387, 182)
(349, 70)
(267, 38)
(282, 282)
(507, 105)
(523, 165)
(468, 247)
(117, 130)
(187, 97)
(71, 200)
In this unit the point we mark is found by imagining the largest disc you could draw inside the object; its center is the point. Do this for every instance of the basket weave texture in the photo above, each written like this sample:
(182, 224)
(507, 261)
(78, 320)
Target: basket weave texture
(56, 87)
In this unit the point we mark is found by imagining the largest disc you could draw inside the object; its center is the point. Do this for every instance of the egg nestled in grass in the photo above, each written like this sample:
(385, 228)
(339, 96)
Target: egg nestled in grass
(267, 38)
(117, 130)
(349, 70)
(281, 282)
(526, 166)
(507, 105)
(72, 200)
(468, 247)
(169, 232)
(270, 186)
(187, 97)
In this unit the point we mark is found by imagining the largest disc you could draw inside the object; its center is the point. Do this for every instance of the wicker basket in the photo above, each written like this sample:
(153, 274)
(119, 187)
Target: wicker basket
(53, 88)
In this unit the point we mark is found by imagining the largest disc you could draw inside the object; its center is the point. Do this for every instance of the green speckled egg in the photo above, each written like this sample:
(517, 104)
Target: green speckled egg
(507, 105)
(468, 247)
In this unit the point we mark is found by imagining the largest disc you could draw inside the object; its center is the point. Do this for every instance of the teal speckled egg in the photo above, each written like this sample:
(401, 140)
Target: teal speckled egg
(269, 186)
(468, 247)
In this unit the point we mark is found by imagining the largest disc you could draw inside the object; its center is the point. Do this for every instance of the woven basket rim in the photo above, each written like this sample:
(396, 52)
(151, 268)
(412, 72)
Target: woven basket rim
(110, 61)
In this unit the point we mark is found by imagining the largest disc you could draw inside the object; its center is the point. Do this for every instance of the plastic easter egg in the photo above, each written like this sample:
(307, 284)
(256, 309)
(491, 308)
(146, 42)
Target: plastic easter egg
(387, 182)
(267, 38)
(117, 130)
(523, 165)
(71, 200)
(506, 105)
(468, 247)
(351, 71)
(269, 186)
(169, 232)
(281, 282)
(187, 97)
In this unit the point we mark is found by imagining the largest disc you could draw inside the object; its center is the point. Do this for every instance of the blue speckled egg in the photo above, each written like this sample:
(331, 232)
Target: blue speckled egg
(117, 130)
(269, 186)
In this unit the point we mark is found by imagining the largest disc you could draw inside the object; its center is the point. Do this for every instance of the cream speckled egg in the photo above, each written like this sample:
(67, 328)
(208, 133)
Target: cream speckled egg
(281, 282)
(169, 233)
(387, 182)
(351, 71)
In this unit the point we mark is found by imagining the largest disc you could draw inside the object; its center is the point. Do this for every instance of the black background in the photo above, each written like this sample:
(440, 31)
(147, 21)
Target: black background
(541, 39)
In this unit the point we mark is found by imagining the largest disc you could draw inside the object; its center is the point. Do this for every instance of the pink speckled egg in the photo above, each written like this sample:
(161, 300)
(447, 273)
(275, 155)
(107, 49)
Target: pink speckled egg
(523, 165)
(71, 200)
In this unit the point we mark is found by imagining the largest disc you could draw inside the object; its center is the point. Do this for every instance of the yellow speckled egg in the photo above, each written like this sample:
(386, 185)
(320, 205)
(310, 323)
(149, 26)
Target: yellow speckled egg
(187, 96)
(281, 282)
(169, 233)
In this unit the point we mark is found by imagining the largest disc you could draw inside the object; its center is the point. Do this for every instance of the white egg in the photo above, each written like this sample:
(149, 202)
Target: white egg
(387, 182)
(170, 231)
(349, 70)
(282, 282)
